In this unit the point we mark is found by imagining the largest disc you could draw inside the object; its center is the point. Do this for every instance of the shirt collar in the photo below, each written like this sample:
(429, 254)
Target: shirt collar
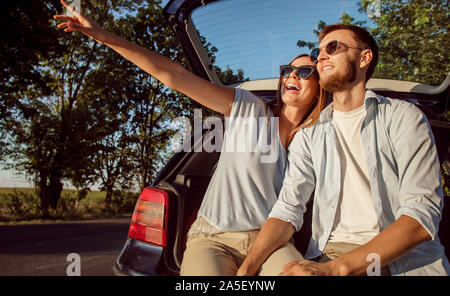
(370, 97)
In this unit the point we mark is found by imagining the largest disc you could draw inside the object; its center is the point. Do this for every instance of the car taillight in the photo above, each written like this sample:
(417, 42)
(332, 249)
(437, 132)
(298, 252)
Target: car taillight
(149, 221)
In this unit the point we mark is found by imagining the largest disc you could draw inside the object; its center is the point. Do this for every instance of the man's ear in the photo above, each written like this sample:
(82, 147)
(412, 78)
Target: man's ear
(366, 58)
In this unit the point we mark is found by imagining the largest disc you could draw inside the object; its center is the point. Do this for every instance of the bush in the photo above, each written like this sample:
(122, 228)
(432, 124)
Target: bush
(24, 204)
(19, 205)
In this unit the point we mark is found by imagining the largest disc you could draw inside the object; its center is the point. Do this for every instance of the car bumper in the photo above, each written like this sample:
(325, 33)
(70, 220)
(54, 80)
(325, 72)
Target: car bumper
(141, 259)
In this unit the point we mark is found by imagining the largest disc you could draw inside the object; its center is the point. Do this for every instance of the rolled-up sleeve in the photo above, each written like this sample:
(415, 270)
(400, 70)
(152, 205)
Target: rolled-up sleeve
(298, 184)
(420, 186)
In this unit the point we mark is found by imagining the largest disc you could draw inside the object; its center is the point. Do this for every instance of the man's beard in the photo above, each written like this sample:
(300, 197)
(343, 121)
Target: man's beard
(339, 80)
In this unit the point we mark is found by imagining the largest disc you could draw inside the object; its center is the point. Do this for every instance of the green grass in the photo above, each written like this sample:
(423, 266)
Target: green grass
(22, 205)
(93, 195)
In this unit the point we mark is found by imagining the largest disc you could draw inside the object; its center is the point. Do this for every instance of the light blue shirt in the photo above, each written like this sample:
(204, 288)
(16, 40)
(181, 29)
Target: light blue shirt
(404, 175)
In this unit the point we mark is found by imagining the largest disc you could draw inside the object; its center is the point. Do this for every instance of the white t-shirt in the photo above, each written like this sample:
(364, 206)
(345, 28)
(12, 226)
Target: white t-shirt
(356, 220)
(246, 182)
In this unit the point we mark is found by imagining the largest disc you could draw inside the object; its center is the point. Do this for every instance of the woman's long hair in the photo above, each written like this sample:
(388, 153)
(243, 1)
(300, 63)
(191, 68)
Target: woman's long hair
(277, 104)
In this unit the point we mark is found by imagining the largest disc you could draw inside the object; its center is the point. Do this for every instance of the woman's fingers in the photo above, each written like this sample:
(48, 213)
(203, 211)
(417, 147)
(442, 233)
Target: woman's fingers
(62, 25)
(70, 27)
(64, 17)
(75, 26)
(69, 24)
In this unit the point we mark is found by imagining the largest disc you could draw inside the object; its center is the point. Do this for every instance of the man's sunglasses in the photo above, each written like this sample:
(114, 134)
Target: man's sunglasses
(333, 47)
(302, 71)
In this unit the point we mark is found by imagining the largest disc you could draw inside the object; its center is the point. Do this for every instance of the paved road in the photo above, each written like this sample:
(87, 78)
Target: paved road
(42, 249)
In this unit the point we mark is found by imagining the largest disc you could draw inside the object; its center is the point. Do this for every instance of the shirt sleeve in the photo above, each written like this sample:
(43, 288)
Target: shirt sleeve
(298, 184)
(245, 104)
(420, 186)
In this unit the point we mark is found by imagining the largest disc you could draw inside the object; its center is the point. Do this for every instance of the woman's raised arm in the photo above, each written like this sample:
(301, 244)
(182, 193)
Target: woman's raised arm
(172, 74)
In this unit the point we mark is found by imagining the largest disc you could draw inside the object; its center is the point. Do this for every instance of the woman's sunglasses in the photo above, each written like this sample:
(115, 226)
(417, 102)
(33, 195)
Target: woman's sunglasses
(333, 47)
(302, 71)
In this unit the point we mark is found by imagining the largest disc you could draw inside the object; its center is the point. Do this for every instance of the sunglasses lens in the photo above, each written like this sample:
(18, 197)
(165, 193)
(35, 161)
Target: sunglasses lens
(304, 72)
(301, 72)
(285, 71)
(332, 47)
(314, 54)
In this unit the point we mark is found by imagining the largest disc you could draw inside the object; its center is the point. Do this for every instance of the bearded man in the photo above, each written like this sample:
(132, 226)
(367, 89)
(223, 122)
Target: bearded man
(372, 164)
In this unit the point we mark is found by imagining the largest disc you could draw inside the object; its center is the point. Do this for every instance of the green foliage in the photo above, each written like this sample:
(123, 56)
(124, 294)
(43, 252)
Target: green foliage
(22, 204)
(445, 172)
(20, 55)
(413, 40)
(87, 115)
(412, 37)
(344, 19)
(226, 76)
(50, 127)
(19, 204)
(229, 77)
(152, 106)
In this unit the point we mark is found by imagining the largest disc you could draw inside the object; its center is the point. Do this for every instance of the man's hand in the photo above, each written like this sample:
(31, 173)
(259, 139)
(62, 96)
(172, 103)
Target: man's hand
(308, 268)
(274, 234)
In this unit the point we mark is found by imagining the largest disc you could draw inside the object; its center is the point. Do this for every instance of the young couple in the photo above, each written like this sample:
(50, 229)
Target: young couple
(371, 162)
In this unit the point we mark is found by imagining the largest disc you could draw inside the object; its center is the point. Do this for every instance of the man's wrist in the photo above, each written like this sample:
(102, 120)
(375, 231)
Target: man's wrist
(242, 271)
(245, 269)
(338, 267)
(250, 266)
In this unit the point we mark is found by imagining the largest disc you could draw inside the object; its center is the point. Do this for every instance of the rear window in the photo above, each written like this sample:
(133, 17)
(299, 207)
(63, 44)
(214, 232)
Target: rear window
(255, 37)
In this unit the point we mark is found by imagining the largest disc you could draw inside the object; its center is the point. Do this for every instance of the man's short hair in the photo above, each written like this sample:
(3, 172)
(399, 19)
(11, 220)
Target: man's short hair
(363, 38)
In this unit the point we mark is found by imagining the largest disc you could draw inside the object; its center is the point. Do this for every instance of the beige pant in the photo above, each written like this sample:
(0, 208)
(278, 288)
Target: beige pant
(222, 254)
(334, 250)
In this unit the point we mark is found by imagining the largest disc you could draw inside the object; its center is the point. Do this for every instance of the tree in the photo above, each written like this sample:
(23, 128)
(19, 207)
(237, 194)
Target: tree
(344, 19)
(104, 98)
(48, 123)
(413, 40)
(81, 112)
(19, 56)
(152, 106)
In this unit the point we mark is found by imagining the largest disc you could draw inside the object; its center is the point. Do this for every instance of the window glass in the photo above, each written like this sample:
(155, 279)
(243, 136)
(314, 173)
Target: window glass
(257, 36)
